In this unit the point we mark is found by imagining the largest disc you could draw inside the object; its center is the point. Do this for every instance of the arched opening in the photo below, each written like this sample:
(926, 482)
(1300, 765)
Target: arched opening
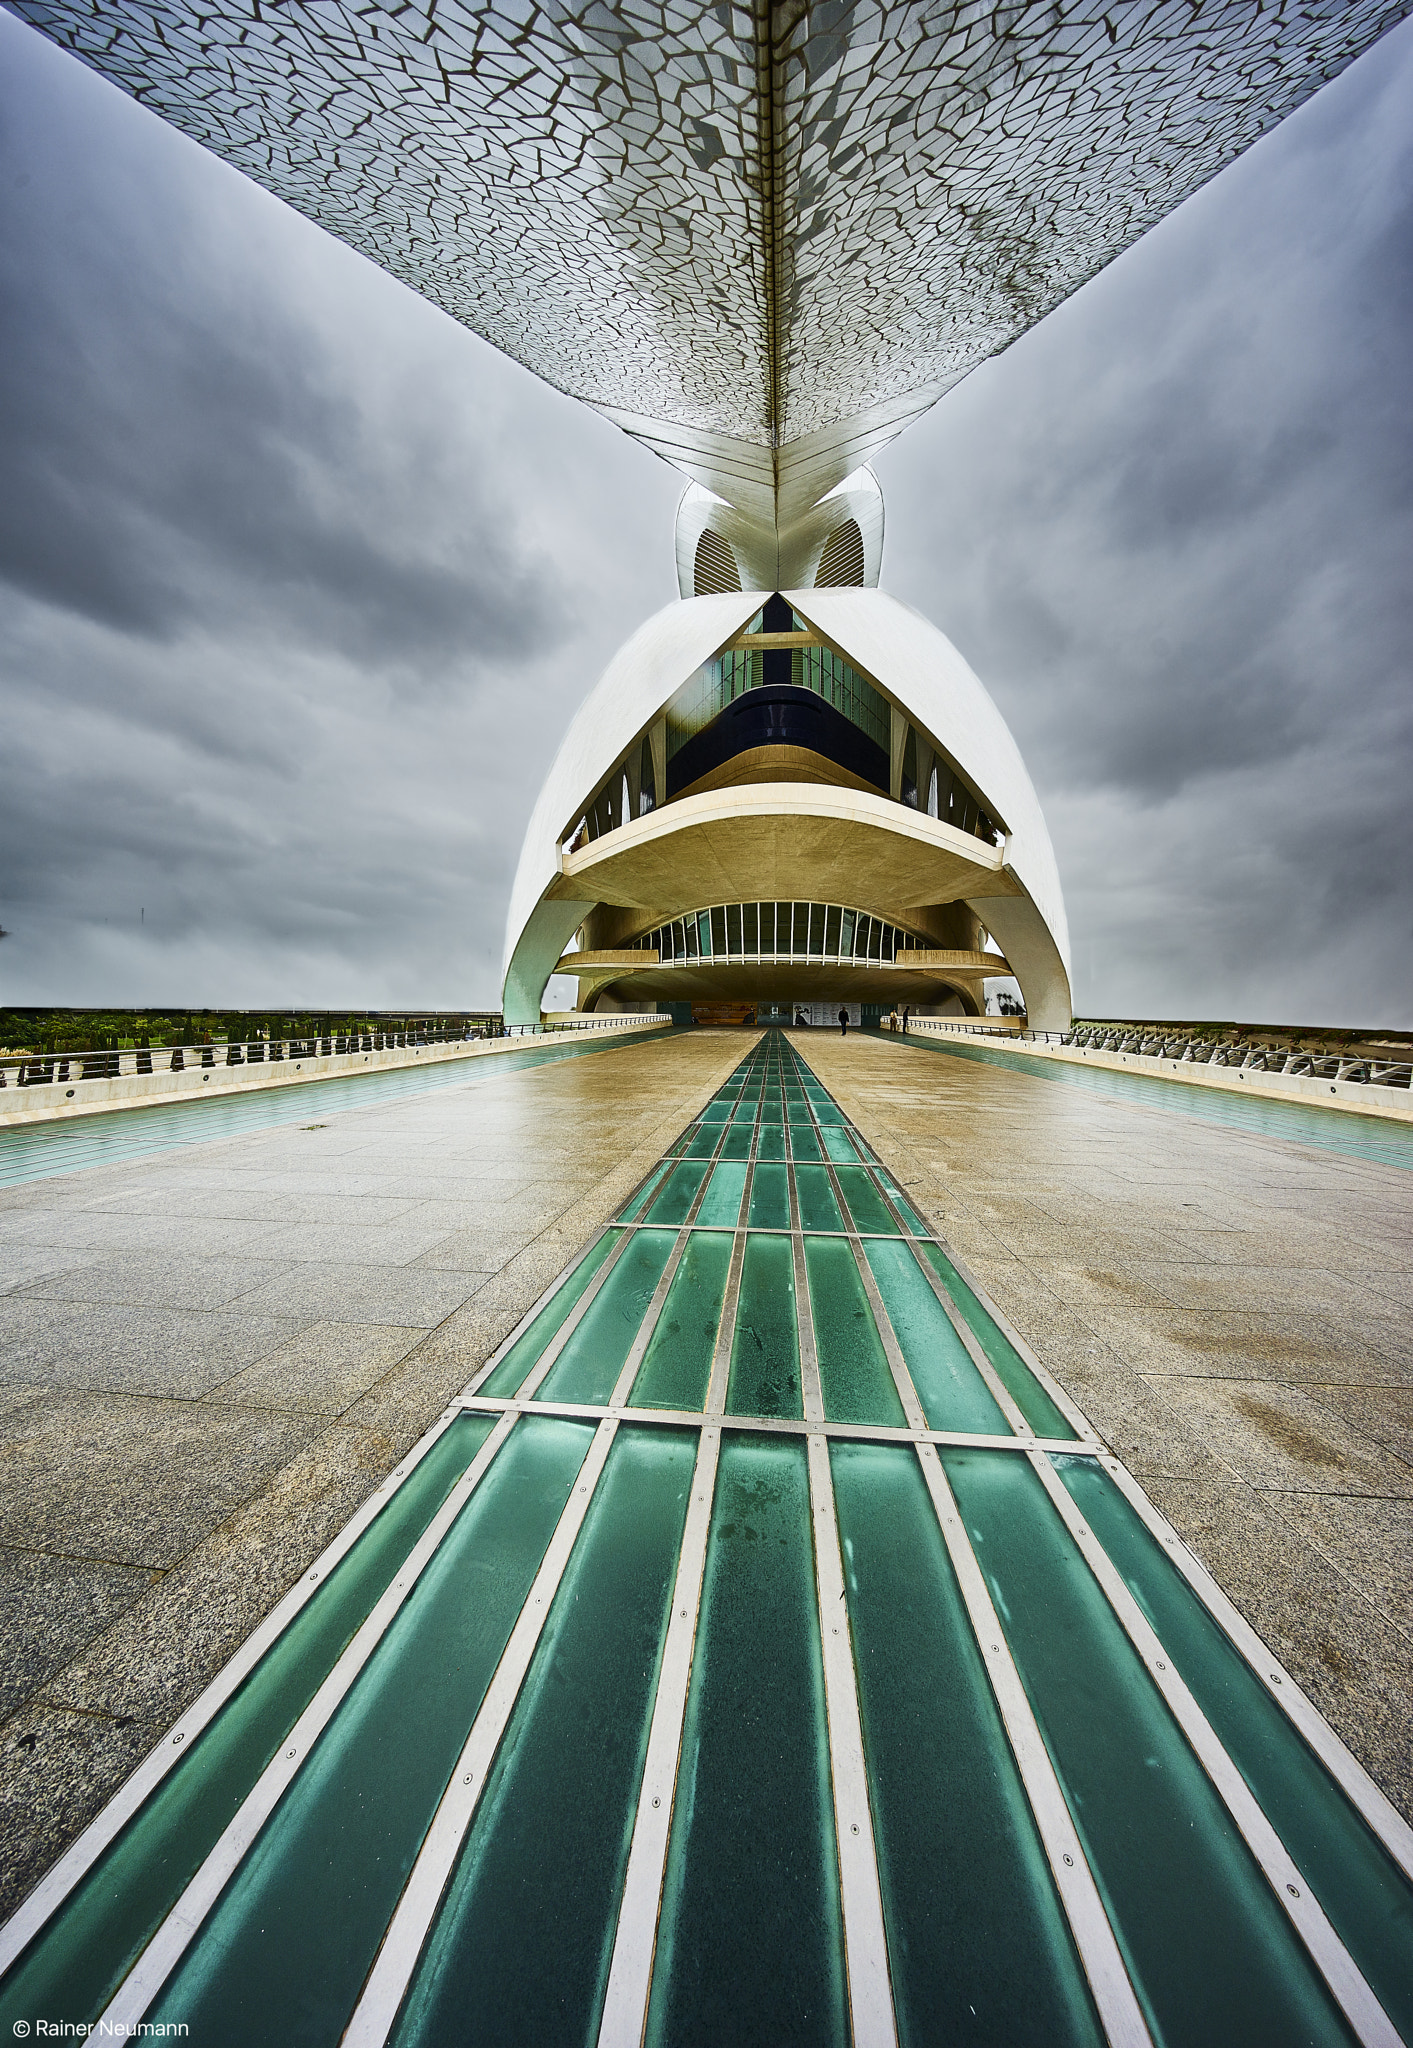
(843, 558)
(715, 569)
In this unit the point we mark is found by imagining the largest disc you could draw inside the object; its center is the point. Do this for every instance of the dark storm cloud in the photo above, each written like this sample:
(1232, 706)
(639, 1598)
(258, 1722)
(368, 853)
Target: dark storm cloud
(299, 585)
(169, 431)
(1172, 529)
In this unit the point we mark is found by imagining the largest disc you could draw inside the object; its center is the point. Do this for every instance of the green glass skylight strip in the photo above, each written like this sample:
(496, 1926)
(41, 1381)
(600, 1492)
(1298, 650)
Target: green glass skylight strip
(819, 1207)
(1039, 1409)
(1214, 1959)
(721, 1204)
(71, 1971)
(676, 1196)
(765, 1359)
(866, 1205)
(523, 1938)
(770, 1198)
(509, 1375)
(635, 1205)
(325, 1875)
(749, 1943)
(588, 1366)
(855, 1382)
(677, 1369)
(952, 1391)
(979, 1945)
(1367, 1897)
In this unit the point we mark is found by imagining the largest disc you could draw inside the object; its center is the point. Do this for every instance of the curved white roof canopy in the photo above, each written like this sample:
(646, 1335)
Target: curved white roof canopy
(913, 664)
(760, 239)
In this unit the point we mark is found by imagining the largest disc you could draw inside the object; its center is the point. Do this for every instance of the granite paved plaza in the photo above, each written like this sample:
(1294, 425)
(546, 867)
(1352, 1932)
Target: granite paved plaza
(208, 1358)
(1231, 1311)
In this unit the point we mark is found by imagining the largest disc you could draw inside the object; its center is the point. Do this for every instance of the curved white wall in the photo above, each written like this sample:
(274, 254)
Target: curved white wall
(914, 663)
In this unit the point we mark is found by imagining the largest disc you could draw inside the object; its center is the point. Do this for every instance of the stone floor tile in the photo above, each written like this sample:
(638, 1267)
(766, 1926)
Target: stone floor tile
(1272, 1435)
(165, 1279)
(323, 1369)
(49, 1606)
(131, 1480)
(363, 1294)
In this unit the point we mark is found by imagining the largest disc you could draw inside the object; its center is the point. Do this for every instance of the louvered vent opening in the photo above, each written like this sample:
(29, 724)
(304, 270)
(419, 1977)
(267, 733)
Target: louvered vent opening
(716, 569)
(843, 557)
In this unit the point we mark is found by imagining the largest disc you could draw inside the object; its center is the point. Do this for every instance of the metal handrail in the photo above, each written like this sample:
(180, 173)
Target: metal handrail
(1366, 1069)
(35, 1070)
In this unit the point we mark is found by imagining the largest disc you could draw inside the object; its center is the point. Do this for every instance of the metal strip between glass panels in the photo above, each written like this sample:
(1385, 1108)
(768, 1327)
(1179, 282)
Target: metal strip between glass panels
(762, 1647)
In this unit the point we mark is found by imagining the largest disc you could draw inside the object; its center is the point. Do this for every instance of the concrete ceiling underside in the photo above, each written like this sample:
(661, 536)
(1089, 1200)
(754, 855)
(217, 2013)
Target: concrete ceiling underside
(762, 239)
(791, 841)
(802, 981)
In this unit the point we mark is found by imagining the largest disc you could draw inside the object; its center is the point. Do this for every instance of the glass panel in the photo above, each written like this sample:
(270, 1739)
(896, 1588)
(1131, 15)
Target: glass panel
(838, 1146)
(750, 913)
(677, 1369)
(704, 1140)
(704, 932)
(738, 1142)
(952, 1392)
(818, 1208)
(722, 1202)
(979, 1946)
(1355, 1879)
(870, 1212)
(1214, 1959)
(770, 1198)
(846, 935)
(69, 1974)
(679, 1193)
(690, 927)
(804, 1143)
(765, 1354)
(325, 1875)
(772, 1140)
(523, 1940)
(854, 1378)
(718, 930)
(800, 938)
(733, 928)
(631, 1208)
(1044, 1417)
(782, 927)
(875, 939)
(831, 932)
(750, 1943)
(593, 1358)
(526, 1349)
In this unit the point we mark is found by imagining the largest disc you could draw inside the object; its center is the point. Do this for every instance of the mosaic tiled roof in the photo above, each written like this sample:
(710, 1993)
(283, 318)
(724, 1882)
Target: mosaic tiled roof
(763, 239)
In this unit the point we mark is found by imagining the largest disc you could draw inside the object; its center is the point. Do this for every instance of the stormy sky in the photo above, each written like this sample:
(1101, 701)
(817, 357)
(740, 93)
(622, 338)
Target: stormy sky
(300, 582)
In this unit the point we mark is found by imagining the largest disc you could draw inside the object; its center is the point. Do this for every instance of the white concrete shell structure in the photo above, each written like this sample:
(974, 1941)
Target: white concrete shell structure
(784, 823)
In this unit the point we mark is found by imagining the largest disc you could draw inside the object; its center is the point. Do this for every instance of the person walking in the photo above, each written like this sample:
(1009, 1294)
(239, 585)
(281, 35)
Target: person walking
(907, 1012)
(843, 1021)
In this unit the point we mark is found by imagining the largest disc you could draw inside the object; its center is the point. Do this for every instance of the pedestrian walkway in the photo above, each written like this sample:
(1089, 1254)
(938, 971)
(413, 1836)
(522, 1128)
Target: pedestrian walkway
(763, 1646)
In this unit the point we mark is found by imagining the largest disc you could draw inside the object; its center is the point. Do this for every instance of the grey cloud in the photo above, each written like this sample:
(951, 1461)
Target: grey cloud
(1171, 530)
